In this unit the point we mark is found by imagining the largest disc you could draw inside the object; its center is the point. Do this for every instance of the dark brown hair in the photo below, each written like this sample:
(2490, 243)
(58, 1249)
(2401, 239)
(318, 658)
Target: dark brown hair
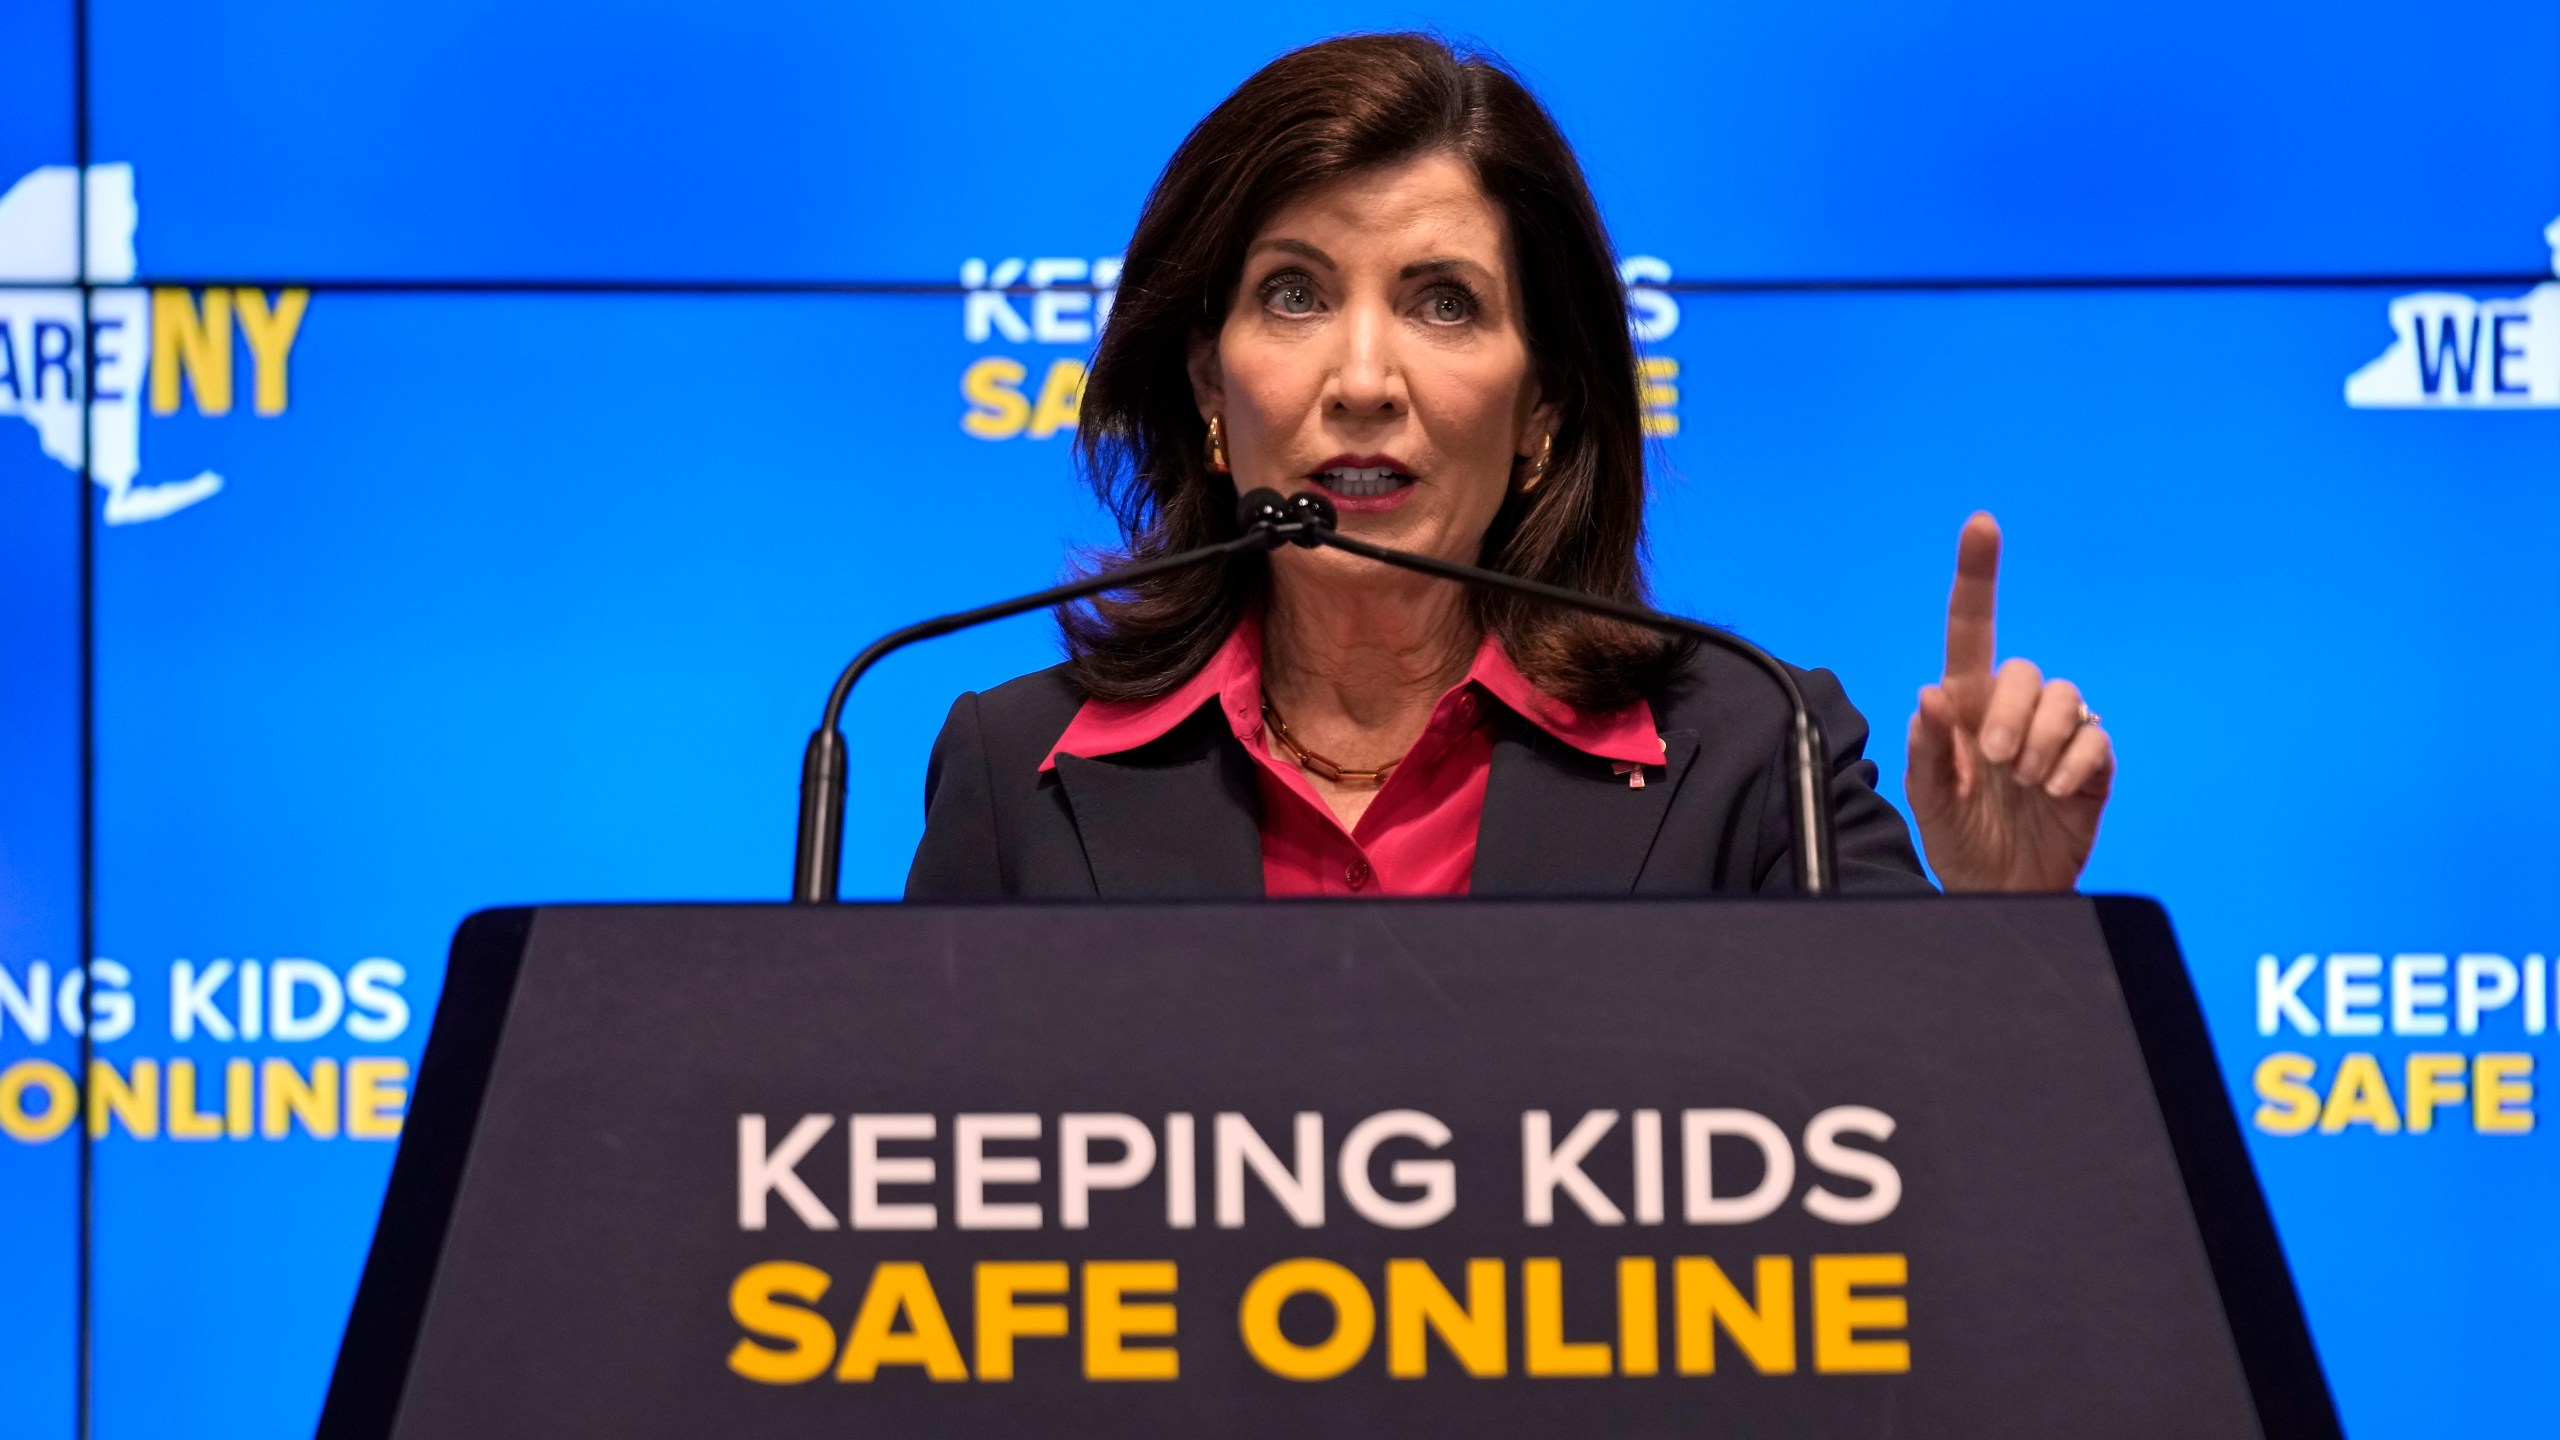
(1309, 118)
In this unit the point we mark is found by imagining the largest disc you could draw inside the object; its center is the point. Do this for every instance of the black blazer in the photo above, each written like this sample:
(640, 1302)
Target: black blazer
(1180, 816)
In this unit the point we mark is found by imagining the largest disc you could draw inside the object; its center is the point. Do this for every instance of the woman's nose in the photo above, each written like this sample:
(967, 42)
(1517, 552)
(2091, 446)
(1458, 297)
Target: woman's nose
(1367, 378)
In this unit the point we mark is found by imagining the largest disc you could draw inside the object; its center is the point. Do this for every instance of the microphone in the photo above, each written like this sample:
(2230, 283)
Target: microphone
(1268, 521)
(1307, 519)
(817, 865)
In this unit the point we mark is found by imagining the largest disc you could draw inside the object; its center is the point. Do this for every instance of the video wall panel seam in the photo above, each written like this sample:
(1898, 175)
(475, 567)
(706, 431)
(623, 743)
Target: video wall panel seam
(930, 288)
(83, 1408)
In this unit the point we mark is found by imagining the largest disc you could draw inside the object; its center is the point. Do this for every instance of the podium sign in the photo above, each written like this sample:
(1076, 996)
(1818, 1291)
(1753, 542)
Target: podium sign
(1746, 1168)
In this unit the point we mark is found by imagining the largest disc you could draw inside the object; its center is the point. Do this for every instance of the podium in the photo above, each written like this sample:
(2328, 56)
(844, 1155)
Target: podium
(1933, 1166)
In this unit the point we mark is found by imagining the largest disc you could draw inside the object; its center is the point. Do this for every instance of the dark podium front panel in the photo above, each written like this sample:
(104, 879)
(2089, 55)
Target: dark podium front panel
(1719, 1168)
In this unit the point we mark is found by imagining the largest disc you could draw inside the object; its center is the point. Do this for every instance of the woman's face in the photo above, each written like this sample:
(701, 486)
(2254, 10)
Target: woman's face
(1374, 351)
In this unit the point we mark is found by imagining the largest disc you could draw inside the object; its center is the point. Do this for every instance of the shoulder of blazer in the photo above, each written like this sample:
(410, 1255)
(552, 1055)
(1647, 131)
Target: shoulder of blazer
(1741, 720)
(1178, 817)
(1020, 719)
(994, 825)
(1718, 693)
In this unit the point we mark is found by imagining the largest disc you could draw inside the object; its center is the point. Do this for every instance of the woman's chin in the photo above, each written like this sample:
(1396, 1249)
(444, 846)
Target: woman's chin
(1418, 529)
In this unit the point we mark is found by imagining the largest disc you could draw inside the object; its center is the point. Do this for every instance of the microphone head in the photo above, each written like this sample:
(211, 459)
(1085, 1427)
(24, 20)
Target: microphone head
(1260, 508)
(1312, 512)
(1297, 519)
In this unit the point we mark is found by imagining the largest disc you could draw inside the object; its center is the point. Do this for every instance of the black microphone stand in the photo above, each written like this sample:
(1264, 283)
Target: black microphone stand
(817, 867)
(1268, 521)
(1307, 518)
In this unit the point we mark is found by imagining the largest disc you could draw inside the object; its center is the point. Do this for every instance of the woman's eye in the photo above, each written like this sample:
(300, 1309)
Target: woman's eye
(1448, 308)
(1290, 298)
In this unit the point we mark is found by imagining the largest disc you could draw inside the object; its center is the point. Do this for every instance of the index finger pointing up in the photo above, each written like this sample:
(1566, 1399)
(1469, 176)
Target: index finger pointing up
(1970, 604)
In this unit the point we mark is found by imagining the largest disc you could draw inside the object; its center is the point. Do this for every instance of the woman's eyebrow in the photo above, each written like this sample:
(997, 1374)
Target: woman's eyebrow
(1438, 267)
(1296, 247)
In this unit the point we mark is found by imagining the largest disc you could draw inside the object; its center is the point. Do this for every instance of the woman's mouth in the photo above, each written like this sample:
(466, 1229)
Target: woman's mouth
(1364, 487)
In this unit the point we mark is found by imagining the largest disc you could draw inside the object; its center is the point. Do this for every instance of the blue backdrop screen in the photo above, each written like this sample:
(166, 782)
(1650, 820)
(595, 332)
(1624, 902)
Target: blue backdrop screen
(487, 409)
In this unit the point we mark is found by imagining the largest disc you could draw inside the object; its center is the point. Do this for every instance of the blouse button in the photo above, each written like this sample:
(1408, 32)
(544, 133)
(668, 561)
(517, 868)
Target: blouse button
(1467, 708)
(1356, 874)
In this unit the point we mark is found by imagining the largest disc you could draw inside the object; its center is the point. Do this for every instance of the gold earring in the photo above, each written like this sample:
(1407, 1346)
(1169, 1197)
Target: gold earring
(1537, 475)
(1217, 445)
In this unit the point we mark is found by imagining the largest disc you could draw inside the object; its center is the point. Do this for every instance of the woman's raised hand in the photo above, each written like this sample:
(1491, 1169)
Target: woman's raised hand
(2008, 770)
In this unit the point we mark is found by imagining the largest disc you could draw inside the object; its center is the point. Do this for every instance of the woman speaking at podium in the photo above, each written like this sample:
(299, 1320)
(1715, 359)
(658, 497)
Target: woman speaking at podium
(1375, 270)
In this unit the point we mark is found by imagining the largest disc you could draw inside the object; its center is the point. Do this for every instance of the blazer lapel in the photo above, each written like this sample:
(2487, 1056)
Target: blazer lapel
(1176, 819)
(1559, 822)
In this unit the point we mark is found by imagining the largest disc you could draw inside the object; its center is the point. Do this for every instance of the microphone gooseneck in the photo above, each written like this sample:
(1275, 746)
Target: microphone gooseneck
(817, 864)
(1266, 520)
(1307, 518)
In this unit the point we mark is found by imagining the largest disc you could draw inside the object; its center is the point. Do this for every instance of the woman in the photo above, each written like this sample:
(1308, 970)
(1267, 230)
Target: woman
(1375, 270)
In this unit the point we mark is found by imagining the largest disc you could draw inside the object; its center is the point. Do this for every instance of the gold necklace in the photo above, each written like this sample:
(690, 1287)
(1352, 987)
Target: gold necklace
(1325, 769)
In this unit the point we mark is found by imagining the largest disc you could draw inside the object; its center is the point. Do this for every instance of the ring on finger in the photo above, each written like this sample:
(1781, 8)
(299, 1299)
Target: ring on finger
(2089, 716)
